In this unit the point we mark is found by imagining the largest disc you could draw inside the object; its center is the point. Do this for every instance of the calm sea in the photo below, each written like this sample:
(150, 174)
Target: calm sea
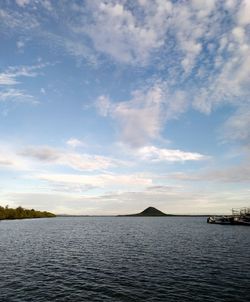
(123, 259)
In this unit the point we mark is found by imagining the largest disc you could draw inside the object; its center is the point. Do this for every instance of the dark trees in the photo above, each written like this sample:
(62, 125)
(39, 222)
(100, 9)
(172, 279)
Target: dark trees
(21, 213)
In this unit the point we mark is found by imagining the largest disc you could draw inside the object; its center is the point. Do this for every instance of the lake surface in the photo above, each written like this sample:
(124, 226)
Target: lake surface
(123, 259)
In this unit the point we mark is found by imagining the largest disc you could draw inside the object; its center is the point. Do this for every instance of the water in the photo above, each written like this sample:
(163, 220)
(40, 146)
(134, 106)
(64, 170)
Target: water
(123, 259)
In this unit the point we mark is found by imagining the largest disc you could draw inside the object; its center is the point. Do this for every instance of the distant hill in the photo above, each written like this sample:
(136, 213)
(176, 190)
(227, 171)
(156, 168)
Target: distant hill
(150, 211)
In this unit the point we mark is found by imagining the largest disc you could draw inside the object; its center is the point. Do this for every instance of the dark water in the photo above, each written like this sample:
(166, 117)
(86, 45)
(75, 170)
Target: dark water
(123, 259)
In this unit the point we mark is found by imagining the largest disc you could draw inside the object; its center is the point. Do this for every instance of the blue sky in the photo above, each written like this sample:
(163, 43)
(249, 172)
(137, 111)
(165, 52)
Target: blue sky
(108, 107)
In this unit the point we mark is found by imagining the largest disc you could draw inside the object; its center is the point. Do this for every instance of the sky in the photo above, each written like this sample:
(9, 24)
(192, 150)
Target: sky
(108, 107)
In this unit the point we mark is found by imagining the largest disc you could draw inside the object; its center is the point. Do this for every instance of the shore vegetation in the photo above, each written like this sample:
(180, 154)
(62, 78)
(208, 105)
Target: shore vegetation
(21, 213)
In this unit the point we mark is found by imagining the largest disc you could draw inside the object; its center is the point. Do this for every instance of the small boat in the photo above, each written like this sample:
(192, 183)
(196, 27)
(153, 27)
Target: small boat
(242, 216)
(238, 217)
(244, 222)
(219, 220)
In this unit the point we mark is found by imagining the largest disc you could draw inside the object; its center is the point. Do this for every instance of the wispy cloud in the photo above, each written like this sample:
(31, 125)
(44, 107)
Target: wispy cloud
(46, 158)
(22, 2)
(74, 160)
(9, 160)
(100, 180)
(237, 126)
(6, 162)
(152, 153)
(22, 22)
(92, 185)
(27, 22)
(10, 75)
(142, 118)
(74, 142)
(17, 96)
(7, 79)
(238, 173)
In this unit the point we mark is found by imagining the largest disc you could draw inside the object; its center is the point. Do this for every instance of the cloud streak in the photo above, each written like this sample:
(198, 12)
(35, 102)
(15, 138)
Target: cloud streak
(100, 180)
(16, 96)
(11, 77)
(154, 154)
(12, 73)
(74, 160)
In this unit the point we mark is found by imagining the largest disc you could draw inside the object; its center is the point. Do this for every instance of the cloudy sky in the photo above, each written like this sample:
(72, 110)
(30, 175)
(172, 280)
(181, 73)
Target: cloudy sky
(107, 107)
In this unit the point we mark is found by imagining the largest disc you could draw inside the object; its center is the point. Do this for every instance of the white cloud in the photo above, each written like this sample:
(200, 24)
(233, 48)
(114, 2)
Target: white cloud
(19, 21)
(9, 160)
(20, 44)
(230, 4)
(74, 142)
(5, 162)
(45, 158)
(7, 79)
(76, 47)
(103, 105)
(47, 5)
(231, 174)
(155, 154)
(22, 3)
(239, 34)
(134, 35)
(17, 96)
(116, 30)
(54, 202)
(43, 91)
(141, 119)
(43, 153)
(127, 181)
(11, 75)
(138, 33)
(237, 127)
(234, 174)
(77, 161)
(229, 81)
(24, 71)
(243, 14)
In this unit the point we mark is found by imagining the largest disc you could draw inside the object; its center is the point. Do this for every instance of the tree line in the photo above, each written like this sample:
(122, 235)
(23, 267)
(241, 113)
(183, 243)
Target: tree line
(21, 213)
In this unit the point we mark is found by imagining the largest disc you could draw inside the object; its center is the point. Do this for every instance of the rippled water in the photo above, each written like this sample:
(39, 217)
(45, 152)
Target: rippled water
(123, 259)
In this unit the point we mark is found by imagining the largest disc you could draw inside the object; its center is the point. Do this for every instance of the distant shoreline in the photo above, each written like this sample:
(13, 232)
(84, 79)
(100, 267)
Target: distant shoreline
(148, 212)
(118, 216)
